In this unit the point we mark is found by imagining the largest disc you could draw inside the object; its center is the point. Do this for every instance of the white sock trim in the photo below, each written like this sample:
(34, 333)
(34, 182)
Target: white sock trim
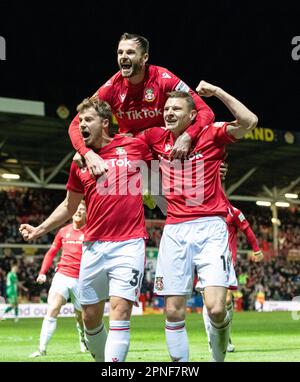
(221, 325)
(119, 325)
(179, 325)
(93, 332)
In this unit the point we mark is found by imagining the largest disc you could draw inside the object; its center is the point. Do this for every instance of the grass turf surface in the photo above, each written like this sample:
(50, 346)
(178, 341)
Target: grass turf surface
(258, 337)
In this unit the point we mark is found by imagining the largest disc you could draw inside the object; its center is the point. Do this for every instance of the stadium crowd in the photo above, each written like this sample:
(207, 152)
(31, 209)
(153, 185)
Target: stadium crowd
(20, 206)
(278, 277)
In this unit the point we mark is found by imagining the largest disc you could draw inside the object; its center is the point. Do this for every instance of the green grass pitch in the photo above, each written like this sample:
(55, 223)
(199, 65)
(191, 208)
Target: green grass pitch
(258, 337)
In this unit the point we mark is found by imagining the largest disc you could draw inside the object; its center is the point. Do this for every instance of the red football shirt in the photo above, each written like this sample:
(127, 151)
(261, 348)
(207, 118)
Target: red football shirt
(236, 221)
(70, 240)
(114, 202)
(192, 187)
(138, 107)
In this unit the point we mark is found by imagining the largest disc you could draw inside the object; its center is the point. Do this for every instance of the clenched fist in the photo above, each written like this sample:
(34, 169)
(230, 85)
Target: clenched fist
(205, 89)
(28, 232)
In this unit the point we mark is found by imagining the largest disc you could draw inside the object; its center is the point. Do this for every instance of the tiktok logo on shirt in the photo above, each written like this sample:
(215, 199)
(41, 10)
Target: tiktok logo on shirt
(139, 114)
(2, 49)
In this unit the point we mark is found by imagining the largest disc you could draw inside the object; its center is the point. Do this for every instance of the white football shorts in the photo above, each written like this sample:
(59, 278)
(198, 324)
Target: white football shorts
(200, 244)
(66, 286)
(111, 268)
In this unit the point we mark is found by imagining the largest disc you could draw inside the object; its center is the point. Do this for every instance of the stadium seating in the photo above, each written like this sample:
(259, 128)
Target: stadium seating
(277, 275)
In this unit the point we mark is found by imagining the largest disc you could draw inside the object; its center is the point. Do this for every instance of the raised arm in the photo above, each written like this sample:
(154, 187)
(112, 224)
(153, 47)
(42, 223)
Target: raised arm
(205, 116)
(59, 216)
(245, 119)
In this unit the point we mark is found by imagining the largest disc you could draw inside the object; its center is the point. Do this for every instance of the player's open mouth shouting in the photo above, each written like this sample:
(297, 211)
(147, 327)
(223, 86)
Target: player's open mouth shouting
(126, 67)
(85, 134)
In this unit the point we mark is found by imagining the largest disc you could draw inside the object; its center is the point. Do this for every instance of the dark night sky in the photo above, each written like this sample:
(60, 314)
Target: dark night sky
(62, 53)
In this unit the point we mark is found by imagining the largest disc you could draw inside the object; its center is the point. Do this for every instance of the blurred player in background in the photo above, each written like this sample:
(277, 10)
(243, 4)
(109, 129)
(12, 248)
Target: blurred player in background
(12, 284)
(236, 221)
(65, 282)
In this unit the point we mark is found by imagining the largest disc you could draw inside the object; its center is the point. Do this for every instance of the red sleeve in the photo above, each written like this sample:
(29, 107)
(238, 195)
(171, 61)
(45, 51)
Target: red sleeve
(74, 183)
(146, 152)
(55, 247)
(205, 115)
(239, 219)
(103, 93)
(143, 136)
(221, 137)
(151, 136)
(251, 239)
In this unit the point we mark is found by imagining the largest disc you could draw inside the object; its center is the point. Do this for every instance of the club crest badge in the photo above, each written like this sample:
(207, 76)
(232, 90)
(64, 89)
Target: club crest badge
(159, 285)
(149, 95)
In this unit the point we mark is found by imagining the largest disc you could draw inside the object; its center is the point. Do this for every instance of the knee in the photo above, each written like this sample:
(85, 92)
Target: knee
(175, 313)
(120, 312)
(53, 311)
(90, 318)
(216, 312)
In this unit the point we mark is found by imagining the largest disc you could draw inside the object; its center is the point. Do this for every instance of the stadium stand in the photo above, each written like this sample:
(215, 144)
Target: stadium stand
(278, 275)
(255, 172)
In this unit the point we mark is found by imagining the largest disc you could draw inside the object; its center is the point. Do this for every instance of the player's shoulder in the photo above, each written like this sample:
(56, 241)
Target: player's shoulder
(235, 210)
(162, 73)
(136, 141)
(153, 134)
(65, 228)
(133, 147)
(113, 82)
(170, 81)
(122, 144)
(156, 130)
(218, 125)
(77, 171)
(83, 229)
(74, 167)
(239, 214)
(217, 131)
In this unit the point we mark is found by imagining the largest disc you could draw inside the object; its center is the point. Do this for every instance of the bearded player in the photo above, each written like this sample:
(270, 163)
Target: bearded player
(137, 94)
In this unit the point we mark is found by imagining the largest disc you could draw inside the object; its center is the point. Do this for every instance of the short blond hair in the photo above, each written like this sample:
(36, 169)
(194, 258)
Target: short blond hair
(184, 95)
